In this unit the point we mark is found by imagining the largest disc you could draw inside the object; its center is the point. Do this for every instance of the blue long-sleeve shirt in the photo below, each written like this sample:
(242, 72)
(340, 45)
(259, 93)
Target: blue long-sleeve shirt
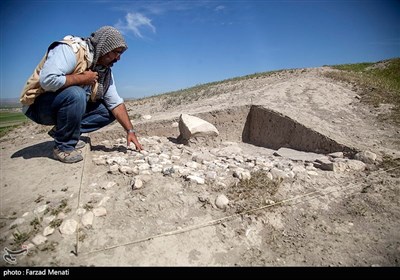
(61, 61)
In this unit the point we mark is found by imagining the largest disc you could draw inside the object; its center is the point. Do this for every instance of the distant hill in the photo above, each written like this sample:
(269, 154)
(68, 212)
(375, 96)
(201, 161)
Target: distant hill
(10, 103)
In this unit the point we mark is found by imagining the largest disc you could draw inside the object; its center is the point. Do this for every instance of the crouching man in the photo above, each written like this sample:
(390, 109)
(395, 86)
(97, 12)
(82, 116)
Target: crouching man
(73, 89)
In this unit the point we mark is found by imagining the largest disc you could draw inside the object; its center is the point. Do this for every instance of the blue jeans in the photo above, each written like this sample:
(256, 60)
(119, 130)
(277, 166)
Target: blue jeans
(71, 113)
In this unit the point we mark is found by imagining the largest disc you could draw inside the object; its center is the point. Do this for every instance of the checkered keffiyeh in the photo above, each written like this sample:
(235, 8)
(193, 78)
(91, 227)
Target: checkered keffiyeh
(100, 42)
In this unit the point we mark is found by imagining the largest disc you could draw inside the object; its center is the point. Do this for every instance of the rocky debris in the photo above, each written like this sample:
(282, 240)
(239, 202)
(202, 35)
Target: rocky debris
(223, 164)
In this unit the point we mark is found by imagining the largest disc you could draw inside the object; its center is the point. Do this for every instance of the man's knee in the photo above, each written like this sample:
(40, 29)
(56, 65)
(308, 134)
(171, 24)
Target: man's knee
(76, 94)
(73, 98)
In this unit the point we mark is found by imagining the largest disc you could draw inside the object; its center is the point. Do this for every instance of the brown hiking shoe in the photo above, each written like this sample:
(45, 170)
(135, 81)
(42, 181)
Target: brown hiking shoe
(67, 157)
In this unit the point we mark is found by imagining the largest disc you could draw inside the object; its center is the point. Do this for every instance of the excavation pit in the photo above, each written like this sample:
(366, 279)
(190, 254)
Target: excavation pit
(255, 125)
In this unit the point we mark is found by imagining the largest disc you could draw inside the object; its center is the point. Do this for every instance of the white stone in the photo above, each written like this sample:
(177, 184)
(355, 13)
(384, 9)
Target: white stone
(40, 209)
(114, 168)
(190, 126)
(196, 179)
(211, 175)
(30, 246)
(312, 173)
(87, 219)
(156, 168)
(80, 211)
(136, 183)
(356, 165)
(48, 230)
(49, 219)
(109, 185)
(221, 201)
(277, 173)
(17, 222)
(366, 157)
(242, 174)
(100, 211)
(125, 169)
(336, 155)
(61, 216)
(144, 166)
(175, 157)
(99, 161)
(68, 226)
(221, 184)
(39, 239)
(103, 201)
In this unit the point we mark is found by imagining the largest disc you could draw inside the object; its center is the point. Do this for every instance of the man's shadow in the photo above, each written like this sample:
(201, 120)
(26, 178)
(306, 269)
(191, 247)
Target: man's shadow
(44, 149)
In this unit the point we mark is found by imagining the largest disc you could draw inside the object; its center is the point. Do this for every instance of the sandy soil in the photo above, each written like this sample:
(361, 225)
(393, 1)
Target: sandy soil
(315, 218)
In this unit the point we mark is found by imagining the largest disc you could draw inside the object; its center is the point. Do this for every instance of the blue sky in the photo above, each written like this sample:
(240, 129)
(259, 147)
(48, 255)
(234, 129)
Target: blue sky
(179, 44)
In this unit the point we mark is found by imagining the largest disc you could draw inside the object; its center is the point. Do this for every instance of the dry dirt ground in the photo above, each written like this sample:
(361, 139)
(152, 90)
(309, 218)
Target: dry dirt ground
(323, 218)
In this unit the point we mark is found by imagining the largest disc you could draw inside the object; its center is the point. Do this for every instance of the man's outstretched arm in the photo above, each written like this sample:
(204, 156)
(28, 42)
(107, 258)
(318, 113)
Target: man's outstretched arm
(121, 114)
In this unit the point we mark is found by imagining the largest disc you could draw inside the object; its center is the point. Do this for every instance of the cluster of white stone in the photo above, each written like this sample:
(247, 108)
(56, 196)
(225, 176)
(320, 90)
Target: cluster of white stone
(217, 165)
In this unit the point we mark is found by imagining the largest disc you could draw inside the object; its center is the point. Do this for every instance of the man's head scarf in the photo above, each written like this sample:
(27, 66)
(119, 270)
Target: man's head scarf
(101, 42)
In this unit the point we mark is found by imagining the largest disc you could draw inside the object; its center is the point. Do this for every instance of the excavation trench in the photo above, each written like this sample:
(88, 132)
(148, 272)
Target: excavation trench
(254, 125)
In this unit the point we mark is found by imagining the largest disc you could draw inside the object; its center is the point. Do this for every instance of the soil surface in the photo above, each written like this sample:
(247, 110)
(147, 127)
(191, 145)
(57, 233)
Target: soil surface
(119, 207)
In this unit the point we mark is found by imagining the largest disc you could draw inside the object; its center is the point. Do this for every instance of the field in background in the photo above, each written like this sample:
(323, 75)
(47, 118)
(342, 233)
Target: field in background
(9, 119)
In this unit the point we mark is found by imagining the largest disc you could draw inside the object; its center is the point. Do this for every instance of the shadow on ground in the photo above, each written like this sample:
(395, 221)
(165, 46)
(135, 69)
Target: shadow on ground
(44, 149)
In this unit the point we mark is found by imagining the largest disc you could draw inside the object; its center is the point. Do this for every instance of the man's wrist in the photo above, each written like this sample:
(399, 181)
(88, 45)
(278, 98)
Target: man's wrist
(130, 131)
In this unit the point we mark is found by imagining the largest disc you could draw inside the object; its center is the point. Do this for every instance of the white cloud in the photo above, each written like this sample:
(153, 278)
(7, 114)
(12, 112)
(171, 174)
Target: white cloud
(219, 8)
(135, 22)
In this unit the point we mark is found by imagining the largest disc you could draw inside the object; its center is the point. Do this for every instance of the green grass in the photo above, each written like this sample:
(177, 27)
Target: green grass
(379, 83)
(11, 117)
(10, 120)
(358, 67)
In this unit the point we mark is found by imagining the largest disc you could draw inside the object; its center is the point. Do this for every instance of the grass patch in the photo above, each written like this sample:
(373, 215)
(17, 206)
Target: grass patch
(55, 223)
(62, 207)
(21, 237)
(378, 83)
(36, 223)
(10, 120)
(254, 192)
